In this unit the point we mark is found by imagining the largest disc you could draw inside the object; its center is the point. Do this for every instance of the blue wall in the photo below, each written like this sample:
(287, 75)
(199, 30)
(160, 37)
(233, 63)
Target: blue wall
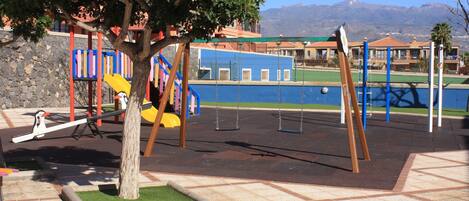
(400, 96)
(236, 61)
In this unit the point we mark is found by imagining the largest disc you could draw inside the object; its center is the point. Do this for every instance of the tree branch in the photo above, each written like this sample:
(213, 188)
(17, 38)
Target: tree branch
(92, 27)
(146, 46)
(125, 23)
(125, 47)
(156, 47)
(465, 14)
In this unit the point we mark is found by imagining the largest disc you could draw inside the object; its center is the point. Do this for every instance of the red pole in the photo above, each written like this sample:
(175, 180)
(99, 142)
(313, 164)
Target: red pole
(99, 76)
(90, 82)
(72, 84)
(147, 90)
(116, 101)
(160, 37)
(147, 93)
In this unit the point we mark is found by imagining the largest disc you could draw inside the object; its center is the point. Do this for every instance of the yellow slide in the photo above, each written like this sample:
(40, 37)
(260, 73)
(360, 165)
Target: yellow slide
(120, 84)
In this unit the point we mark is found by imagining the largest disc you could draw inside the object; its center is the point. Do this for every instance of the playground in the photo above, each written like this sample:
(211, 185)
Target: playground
(256, 152)
(248, 121)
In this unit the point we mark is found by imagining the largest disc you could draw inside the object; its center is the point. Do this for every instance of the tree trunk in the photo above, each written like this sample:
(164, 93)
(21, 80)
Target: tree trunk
(130, 157)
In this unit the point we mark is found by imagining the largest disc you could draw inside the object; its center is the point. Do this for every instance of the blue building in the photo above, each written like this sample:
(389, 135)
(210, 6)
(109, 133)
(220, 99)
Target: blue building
(245, 66)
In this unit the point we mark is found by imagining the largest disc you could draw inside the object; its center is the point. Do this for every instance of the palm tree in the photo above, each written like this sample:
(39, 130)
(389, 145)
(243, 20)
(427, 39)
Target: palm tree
(441, 34)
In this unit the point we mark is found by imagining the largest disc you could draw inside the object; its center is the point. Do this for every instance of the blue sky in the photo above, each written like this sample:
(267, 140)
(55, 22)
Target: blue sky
(279, 3)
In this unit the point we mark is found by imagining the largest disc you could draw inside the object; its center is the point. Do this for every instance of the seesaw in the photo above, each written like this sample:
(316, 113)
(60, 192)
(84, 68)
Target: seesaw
(40, 129)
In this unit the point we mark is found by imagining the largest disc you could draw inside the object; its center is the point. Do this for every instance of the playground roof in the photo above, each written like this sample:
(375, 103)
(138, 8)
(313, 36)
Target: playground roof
(332, 44)
(418, 44)
(284, 45)
(266, 39)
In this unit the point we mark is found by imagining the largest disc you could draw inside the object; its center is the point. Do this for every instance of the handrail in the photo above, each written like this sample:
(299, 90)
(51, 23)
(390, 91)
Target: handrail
(179, 77)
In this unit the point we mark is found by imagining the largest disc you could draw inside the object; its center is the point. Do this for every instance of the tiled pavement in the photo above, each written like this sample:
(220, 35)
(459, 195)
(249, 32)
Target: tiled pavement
(20, 117)
(425, 176)
(428, 176)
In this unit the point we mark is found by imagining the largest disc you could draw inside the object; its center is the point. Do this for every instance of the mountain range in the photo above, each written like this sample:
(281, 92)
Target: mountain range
(362, 20)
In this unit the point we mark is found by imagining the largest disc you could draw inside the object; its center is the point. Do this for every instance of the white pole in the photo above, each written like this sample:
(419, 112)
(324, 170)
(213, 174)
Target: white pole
(430, 86)
(342, 107)
(440, 85)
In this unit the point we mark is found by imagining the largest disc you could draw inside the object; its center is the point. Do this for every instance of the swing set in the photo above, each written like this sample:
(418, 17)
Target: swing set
(347, 86)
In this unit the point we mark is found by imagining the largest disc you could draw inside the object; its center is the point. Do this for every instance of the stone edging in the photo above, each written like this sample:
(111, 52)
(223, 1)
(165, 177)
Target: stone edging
(69, 193)
(186, 192)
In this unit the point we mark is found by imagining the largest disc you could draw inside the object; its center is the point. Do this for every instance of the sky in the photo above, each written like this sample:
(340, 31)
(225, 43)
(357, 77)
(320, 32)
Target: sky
(408, 3)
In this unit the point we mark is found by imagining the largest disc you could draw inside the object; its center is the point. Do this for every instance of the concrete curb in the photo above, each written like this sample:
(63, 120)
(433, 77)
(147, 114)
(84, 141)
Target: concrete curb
(68, 194)
(186, 192)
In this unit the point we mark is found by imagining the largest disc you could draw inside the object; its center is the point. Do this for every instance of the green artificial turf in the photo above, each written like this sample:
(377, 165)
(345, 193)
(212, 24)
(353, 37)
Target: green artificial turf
(331, 76)
(160, 193)
(446, 112)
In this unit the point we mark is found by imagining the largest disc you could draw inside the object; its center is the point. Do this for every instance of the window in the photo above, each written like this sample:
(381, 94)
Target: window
(286, 75)
(356, 53)
(246, 74)
(371, 54)
(321, 54)
(415, 54)
(265, 75)
(380, 54)
(279, 75)
(205, 73)
(332, 53)
(224, 74)
(401, 54)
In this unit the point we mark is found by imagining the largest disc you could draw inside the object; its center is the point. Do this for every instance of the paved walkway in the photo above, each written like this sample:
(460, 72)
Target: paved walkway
(19, 117)
(425, 176)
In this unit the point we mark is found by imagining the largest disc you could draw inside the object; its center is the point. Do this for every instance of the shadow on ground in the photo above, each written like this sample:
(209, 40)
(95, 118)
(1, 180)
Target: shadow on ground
(320, 155)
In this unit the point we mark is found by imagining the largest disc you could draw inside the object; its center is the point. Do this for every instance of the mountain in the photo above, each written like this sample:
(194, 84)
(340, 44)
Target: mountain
(362, 20)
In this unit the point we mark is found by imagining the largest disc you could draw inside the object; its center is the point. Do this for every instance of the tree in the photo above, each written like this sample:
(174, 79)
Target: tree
(441, 34)
(36, 32)
(189, 18)
(462, 13)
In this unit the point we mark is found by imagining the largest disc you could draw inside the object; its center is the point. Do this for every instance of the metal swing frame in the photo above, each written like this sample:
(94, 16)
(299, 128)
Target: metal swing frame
(280, 125)
(217, 108)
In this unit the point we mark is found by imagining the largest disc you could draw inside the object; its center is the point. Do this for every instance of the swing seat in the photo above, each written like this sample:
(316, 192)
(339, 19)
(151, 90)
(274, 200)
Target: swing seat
(227, 129)
(290, 131)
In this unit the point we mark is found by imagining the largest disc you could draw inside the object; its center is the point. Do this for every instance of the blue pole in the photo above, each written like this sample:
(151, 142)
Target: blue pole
(388, 85)
(364, 80)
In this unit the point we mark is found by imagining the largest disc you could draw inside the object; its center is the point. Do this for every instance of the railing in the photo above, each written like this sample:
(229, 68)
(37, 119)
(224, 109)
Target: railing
(193, 96)
(85, 68)
(451, 57)
(85, 64)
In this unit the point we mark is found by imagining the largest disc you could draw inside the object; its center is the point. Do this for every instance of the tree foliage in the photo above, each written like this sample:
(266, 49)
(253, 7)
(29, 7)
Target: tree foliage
(441, 34)
(190, 18)
(180, 21)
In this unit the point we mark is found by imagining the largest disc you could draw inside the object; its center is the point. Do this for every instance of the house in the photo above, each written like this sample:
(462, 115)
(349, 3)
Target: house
(245, 66)
(406, 56)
